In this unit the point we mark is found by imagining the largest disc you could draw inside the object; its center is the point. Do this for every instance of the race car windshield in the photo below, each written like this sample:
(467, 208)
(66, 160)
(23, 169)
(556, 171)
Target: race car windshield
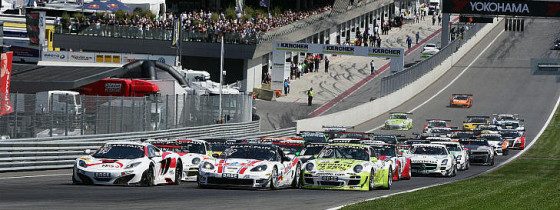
(461, 97)
(192, 148)
(510, 134)
(119, 152)
(398, 117)
(462, 135)
(476, 120)
(257, 153)
(453, 148)
(489, 128)
(384, 151)
(506, 118)
(511, 125)
(436, 124)
(218, 147)
(312, 150)
(344, 153)
(429, 151)
(477, 143)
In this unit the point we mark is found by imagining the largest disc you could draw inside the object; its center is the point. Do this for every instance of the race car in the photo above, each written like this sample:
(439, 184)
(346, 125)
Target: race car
(311, 151)
(290, 147)
(429, 50)
(347, 167)
(217, 146)
(474, 121)
(501, 118)
(459, 135)
(314, 137)
(251, 166)
(461, 155)
(128, 163)
(389, 139)
(432, 159)
(486, 129)
(461, 100)
(437, 138)
(389, 154)
(436, 123)
(436, 132)
(479, 151)
(516, 125)
(497, 142)
(516, 139)
(191, 152)
(398, 121)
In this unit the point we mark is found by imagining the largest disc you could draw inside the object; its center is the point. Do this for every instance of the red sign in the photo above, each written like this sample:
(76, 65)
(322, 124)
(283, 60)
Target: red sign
(6, 106)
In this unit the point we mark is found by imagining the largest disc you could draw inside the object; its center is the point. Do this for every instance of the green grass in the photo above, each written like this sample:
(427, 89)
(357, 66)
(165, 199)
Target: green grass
(532, 181)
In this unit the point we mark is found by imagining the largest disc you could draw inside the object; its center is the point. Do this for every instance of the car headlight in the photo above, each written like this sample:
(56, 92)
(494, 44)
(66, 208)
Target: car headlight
(195, 161)
(309, 167)
(259, 168)
(132, 165)
(358, 168)
(444, 162)
(82, 164)
(208, 166)
(459, 157)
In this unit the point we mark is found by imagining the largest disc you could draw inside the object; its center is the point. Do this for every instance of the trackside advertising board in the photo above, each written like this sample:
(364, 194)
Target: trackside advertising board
(500, 7)
(6, 106)
(108, 58)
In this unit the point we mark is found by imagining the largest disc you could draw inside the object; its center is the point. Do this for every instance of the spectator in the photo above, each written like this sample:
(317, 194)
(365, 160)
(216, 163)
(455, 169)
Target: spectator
(408, 41)
(417, 36)
(327, 64)
(439, 20)
(433, 19)
(310, 95)
(372, 66)
(286, 87)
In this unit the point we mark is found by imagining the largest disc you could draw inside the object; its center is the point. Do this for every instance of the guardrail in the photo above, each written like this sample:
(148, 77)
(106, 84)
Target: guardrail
(60, 153)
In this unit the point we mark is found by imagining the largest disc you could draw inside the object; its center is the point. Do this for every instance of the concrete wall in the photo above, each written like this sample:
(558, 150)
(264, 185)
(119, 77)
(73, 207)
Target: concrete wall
(367, 111)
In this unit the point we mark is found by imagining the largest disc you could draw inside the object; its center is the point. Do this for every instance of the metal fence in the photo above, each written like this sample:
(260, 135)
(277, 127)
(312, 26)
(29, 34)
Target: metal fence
(39, 116)
(396, 81)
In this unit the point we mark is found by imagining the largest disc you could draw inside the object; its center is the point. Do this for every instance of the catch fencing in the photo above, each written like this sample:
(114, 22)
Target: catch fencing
(396, 81)
(40, 116)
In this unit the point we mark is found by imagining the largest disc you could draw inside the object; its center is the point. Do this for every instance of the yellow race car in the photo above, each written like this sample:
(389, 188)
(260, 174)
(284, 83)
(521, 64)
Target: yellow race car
(473, 122)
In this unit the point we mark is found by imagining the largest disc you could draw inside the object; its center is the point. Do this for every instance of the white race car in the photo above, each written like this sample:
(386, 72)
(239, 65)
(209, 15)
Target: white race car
(433, 159)
(497, 142)
(128, 163)
(461, 155)
(191, 152)
(252, 166)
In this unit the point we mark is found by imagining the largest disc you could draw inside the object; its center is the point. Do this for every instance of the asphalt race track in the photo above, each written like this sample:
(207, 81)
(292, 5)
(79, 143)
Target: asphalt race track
(500, 79)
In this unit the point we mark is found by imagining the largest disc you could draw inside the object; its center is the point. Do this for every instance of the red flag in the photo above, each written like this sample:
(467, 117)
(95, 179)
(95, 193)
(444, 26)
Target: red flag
(6, 106)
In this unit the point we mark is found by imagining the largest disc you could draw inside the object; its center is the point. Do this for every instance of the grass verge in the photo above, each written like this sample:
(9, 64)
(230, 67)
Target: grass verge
(532, 181)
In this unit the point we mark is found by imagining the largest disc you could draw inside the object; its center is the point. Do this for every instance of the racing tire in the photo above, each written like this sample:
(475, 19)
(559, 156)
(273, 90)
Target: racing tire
(274, 179)
(201, 186)
(492, 161)
(453, 171)
(468, 165)
(296, 183)
(389, 180)
(178, 173)
(371, 181)
(148, 177)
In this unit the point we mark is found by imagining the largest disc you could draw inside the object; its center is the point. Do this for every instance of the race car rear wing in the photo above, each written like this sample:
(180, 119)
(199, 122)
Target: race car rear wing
(408, 113)
(438, 120)
(478, 116)
(461, 94)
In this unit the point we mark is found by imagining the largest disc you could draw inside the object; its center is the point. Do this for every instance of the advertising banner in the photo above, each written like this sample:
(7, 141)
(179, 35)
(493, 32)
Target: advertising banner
(501, 7)
(60, 56)
(81, 57)
(127, 58)
(108, 58)
(167, 59)
(6, 106)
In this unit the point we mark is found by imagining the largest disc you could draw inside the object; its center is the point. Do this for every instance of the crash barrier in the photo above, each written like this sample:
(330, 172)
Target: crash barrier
(26, 155)
(396, 81)
(362, 113)
(67, 114)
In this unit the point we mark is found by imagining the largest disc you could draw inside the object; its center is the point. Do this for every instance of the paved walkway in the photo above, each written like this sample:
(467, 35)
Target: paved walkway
(344, 73)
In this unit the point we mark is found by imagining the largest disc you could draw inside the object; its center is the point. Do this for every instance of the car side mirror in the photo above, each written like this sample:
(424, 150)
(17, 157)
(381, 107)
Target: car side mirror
(215, 155)
(87, 151)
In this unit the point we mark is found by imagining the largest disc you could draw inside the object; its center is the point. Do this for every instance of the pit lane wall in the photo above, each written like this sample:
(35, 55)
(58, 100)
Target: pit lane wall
(362, 113)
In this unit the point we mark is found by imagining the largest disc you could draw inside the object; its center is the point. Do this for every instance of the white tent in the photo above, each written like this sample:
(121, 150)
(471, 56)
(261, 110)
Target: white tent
(156, 6)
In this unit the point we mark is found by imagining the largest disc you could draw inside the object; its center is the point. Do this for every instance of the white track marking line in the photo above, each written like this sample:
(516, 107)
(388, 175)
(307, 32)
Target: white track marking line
(33, 176)
(452, 81)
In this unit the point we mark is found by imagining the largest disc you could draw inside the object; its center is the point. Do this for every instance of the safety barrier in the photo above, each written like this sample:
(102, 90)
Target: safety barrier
(60, 153)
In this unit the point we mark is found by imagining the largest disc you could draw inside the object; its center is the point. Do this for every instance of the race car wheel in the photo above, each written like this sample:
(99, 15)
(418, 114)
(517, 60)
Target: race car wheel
(178, 173)
(371, 181)
(274, 179)
(74, 180)
(148, 177)
(389, 179)
(201, 186)
(454, 171)
(296, 183)
(492, 161)
(468, 165)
